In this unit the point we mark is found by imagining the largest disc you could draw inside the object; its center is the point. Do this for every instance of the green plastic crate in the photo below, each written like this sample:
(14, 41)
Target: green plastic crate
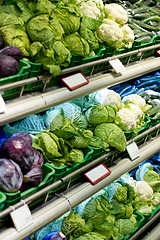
(107, 52)
(78, 60)
(2, 200)
(48, 177)
(22, 74)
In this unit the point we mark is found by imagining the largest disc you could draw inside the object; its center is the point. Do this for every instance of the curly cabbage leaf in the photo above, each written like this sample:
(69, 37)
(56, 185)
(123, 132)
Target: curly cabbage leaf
(81, 139)
(125, 226)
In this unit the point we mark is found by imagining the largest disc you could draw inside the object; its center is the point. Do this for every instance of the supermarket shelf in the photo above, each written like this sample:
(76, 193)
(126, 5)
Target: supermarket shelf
(56, 208)
(37, 102)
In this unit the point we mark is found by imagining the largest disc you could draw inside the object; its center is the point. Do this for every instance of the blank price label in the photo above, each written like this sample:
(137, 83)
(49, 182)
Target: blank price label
(97, 173)
(21, 217)
(75, 81)
(117, 65)
(133, 150)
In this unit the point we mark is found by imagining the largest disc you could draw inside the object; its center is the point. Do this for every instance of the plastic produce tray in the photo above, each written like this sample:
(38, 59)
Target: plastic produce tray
(21, 75)
(78, 60)
(48, 176)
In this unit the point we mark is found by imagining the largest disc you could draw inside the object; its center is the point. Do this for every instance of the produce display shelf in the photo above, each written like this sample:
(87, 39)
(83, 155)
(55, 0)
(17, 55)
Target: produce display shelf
(72, 198)
(37, 102)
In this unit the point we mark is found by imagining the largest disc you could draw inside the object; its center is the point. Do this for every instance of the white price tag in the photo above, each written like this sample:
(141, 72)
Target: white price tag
(75, 81)
(133, 150)
(21, 217)
(97, 173)
(117, 65)
(3, 107)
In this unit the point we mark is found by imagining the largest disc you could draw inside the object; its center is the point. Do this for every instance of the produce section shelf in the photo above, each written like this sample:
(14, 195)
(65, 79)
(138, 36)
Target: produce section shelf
(36, 102)
(64, 202)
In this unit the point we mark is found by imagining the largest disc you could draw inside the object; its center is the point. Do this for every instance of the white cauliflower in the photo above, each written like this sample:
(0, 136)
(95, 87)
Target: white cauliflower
(139, 114)
(135, 99)
(91, 8)
(116, 13)
(109, 98)
(144, 191)
(110, 33)
(126, 119)
(128, 36)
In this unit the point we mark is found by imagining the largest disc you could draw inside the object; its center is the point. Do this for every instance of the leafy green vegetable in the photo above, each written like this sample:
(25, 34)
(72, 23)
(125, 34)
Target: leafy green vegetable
(10, 19)
(75, 156)
(112, 134)
(77, 45)
(97, 114)
(125, 226)
(87, 31)
(47, 145)
(69, 17)
(81, 139)
(39, 29)
(44, 6)
(73, 224)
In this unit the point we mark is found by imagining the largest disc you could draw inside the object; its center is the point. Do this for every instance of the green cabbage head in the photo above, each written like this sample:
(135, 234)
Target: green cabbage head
(112, 134)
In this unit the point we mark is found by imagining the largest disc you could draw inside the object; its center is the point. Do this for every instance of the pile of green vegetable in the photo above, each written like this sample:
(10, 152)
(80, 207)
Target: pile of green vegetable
(110, 213)
(99, 119)
(49, 32)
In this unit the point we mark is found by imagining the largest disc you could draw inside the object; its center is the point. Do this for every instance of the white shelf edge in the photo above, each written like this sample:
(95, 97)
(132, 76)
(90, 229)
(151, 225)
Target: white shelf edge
(55, 209)
(34, 103)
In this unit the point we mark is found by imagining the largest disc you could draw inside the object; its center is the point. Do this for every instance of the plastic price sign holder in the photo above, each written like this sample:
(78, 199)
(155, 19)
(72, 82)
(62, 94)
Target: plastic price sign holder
(21, 217)
(158, 52)
(133, 150)
(3, 107)
(75, 81)
(97, 173)
(117, 65)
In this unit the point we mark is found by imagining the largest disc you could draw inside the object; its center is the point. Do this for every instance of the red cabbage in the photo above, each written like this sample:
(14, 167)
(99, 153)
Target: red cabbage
(8, 66)
(20, 151)
(23, 135)
(11, 176)
(34, 177)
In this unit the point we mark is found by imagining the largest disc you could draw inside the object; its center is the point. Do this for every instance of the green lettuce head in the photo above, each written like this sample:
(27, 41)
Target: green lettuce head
(16, 37)
(9, 19)
(112, 134)
(38, 29)
(69, 17)
(76, 44)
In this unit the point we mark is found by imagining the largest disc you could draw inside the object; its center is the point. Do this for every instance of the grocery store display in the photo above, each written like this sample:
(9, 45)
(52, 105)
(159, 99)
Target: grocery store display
(45, 150)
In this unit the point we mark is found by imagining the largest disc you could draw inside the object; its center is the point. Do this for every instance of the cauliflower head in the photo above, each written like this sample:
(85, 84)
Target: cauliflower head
(144, 191)
(110, 33)
(91, 8)
(126, 119)
(135, 99)
(109, 98)
(139, 114)
(128, 36)
(116, 13)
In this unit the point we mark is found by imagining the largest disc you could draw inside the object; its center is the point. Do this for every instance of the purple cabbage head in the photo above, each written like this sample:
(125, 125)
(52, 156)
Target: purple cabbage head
(11, 177)
(20, 151)
(34, 177)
